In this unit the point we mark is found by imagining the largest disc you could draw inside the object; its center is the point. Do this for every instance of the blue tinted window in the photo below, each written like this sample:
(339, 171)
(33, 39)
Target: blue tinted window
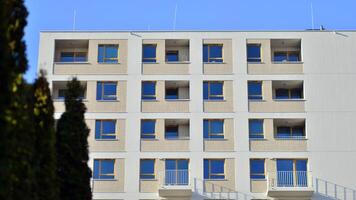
(257, 168)
(292, 173)
(172, 56)
(67, 57)
(214, 168)
(147, 169)
(212, 53)
(253, 53)
(105, 129)
(205, 53)
(215, 51)
(104, 169)
(213, 90)
(301, 165)
(256, 128)
(73, 57)
(290, 132)
(284, 165)
(148, 90)
(171, 132)
(172, 93)
(296, 93)
(282, 94)
(106, 91)
(148, 128)
(149, 53)
(293, 57)
(176, 164)
(108, 53)
(280, 57)
(213, 128)
(283, 132)
(298, 131)
(254, 90)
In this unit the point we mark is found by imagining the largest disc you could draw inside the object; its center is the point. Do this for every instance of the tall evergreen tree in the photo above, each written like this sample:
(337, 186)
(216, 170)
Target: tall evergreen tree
(16, 137)
(45, 150)
(72, 147)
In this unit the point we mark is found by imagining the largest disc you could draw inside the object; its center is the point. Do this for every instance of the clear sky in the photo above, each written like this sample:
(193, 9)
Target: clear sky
(191, 15)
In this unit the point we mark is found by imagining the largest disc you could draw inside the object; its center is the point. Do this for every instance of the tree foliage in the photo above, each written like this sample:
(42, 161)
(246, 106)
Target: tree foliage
(72, 147)
(16, 140)
(45, 151)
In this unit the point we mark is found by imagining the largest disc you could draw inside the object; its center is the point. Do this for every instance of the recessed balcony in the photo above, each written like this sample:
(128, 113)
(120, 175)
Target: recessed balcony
(165, 96)
(59, 89)
(276, 96)
(170, 56)
(275, 56)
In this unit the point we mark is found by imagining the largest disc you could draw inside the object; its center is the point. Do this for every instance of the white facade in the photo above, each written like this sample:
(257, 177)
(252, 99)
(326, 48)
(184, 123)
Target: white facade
(329, 77)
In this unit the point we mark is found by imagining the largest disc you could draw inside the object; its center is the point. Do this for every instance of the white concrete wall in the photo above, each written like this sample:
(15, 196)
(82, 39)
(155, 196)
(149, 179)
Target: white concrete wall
(329, 83)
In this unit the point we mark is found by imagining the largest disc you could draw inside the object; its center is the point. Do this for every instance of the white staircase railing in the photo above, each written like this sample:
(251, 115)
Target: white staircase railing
(214, 191)
(328, 189)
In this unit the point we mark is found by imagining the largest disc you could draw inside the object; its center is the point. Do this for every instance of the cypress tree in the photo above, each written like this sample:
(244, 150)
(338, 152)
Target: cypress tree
(72, 147)
(16, 136)
(45, 151)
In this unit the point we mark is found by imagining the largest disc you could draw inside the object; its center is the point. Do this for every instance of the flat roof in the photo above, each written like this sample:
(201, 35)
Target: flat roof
(194, 31)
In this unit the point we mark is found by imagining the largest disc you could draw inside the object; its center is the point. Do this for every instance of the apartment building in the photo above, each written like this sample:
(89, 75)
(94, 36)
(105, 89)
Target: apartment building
(213, 115)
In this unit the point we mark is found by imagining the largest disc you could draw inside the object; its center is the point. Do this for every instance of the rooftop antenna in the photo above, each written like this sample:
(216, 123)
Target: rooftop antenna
(74, 18)
(175, 17)
(312, 14)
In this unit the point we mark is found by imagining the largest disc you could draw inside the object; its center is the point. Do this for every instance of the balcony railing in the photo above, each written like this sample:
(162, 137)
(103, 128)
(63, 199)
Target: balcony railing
(176, 177)
(290, 179)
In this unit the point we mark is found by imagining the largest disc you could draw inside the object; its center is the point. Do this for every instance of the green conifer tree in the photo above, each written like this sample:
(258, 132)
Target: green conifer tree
(72, 147)
(45, 151)
(16, 135)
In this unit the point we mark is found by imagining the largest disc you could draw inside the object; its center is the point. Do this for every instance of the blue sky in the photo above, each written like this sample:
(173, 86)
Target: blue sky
(191, 15)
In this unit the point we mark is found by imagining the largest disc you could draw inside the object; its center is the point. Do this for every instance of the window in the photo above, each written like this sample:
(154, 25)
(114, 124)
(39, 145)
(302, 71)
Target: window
(108, 53)
(172, 56)
(295, 93)
(255, 90)
(106, 91)
(172, 93)
(73, 57)
(148, 90)
(62, 94)
(290, 132)
(256, 128)
(253, 53)
(292, 172)
(286, 56)
(214, 169)
(213, 128)
(213, 90)
(104, 169)
(148, 128)
(171, 132)
(257, 169)
(147, 169)
(149, 53)
(105, 129)
(213, 53)
(176, 172)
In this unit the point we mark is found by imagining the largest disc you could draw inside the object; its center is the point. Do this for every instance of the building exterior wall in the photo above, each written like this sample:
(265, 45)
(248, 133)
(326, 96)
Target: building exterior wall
(327, 71)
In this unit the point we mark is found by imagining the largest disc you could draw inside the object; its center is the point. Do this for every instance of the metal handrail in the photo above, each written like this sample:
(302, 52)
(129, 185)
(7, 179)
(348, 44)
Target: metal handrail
(175, 177)
(290, 179)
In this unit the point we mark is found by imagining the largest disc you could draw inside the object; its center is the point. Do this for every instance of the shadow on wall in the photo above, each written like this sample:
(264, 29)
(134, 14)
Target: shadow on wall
(328, 191)
(207, 190)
